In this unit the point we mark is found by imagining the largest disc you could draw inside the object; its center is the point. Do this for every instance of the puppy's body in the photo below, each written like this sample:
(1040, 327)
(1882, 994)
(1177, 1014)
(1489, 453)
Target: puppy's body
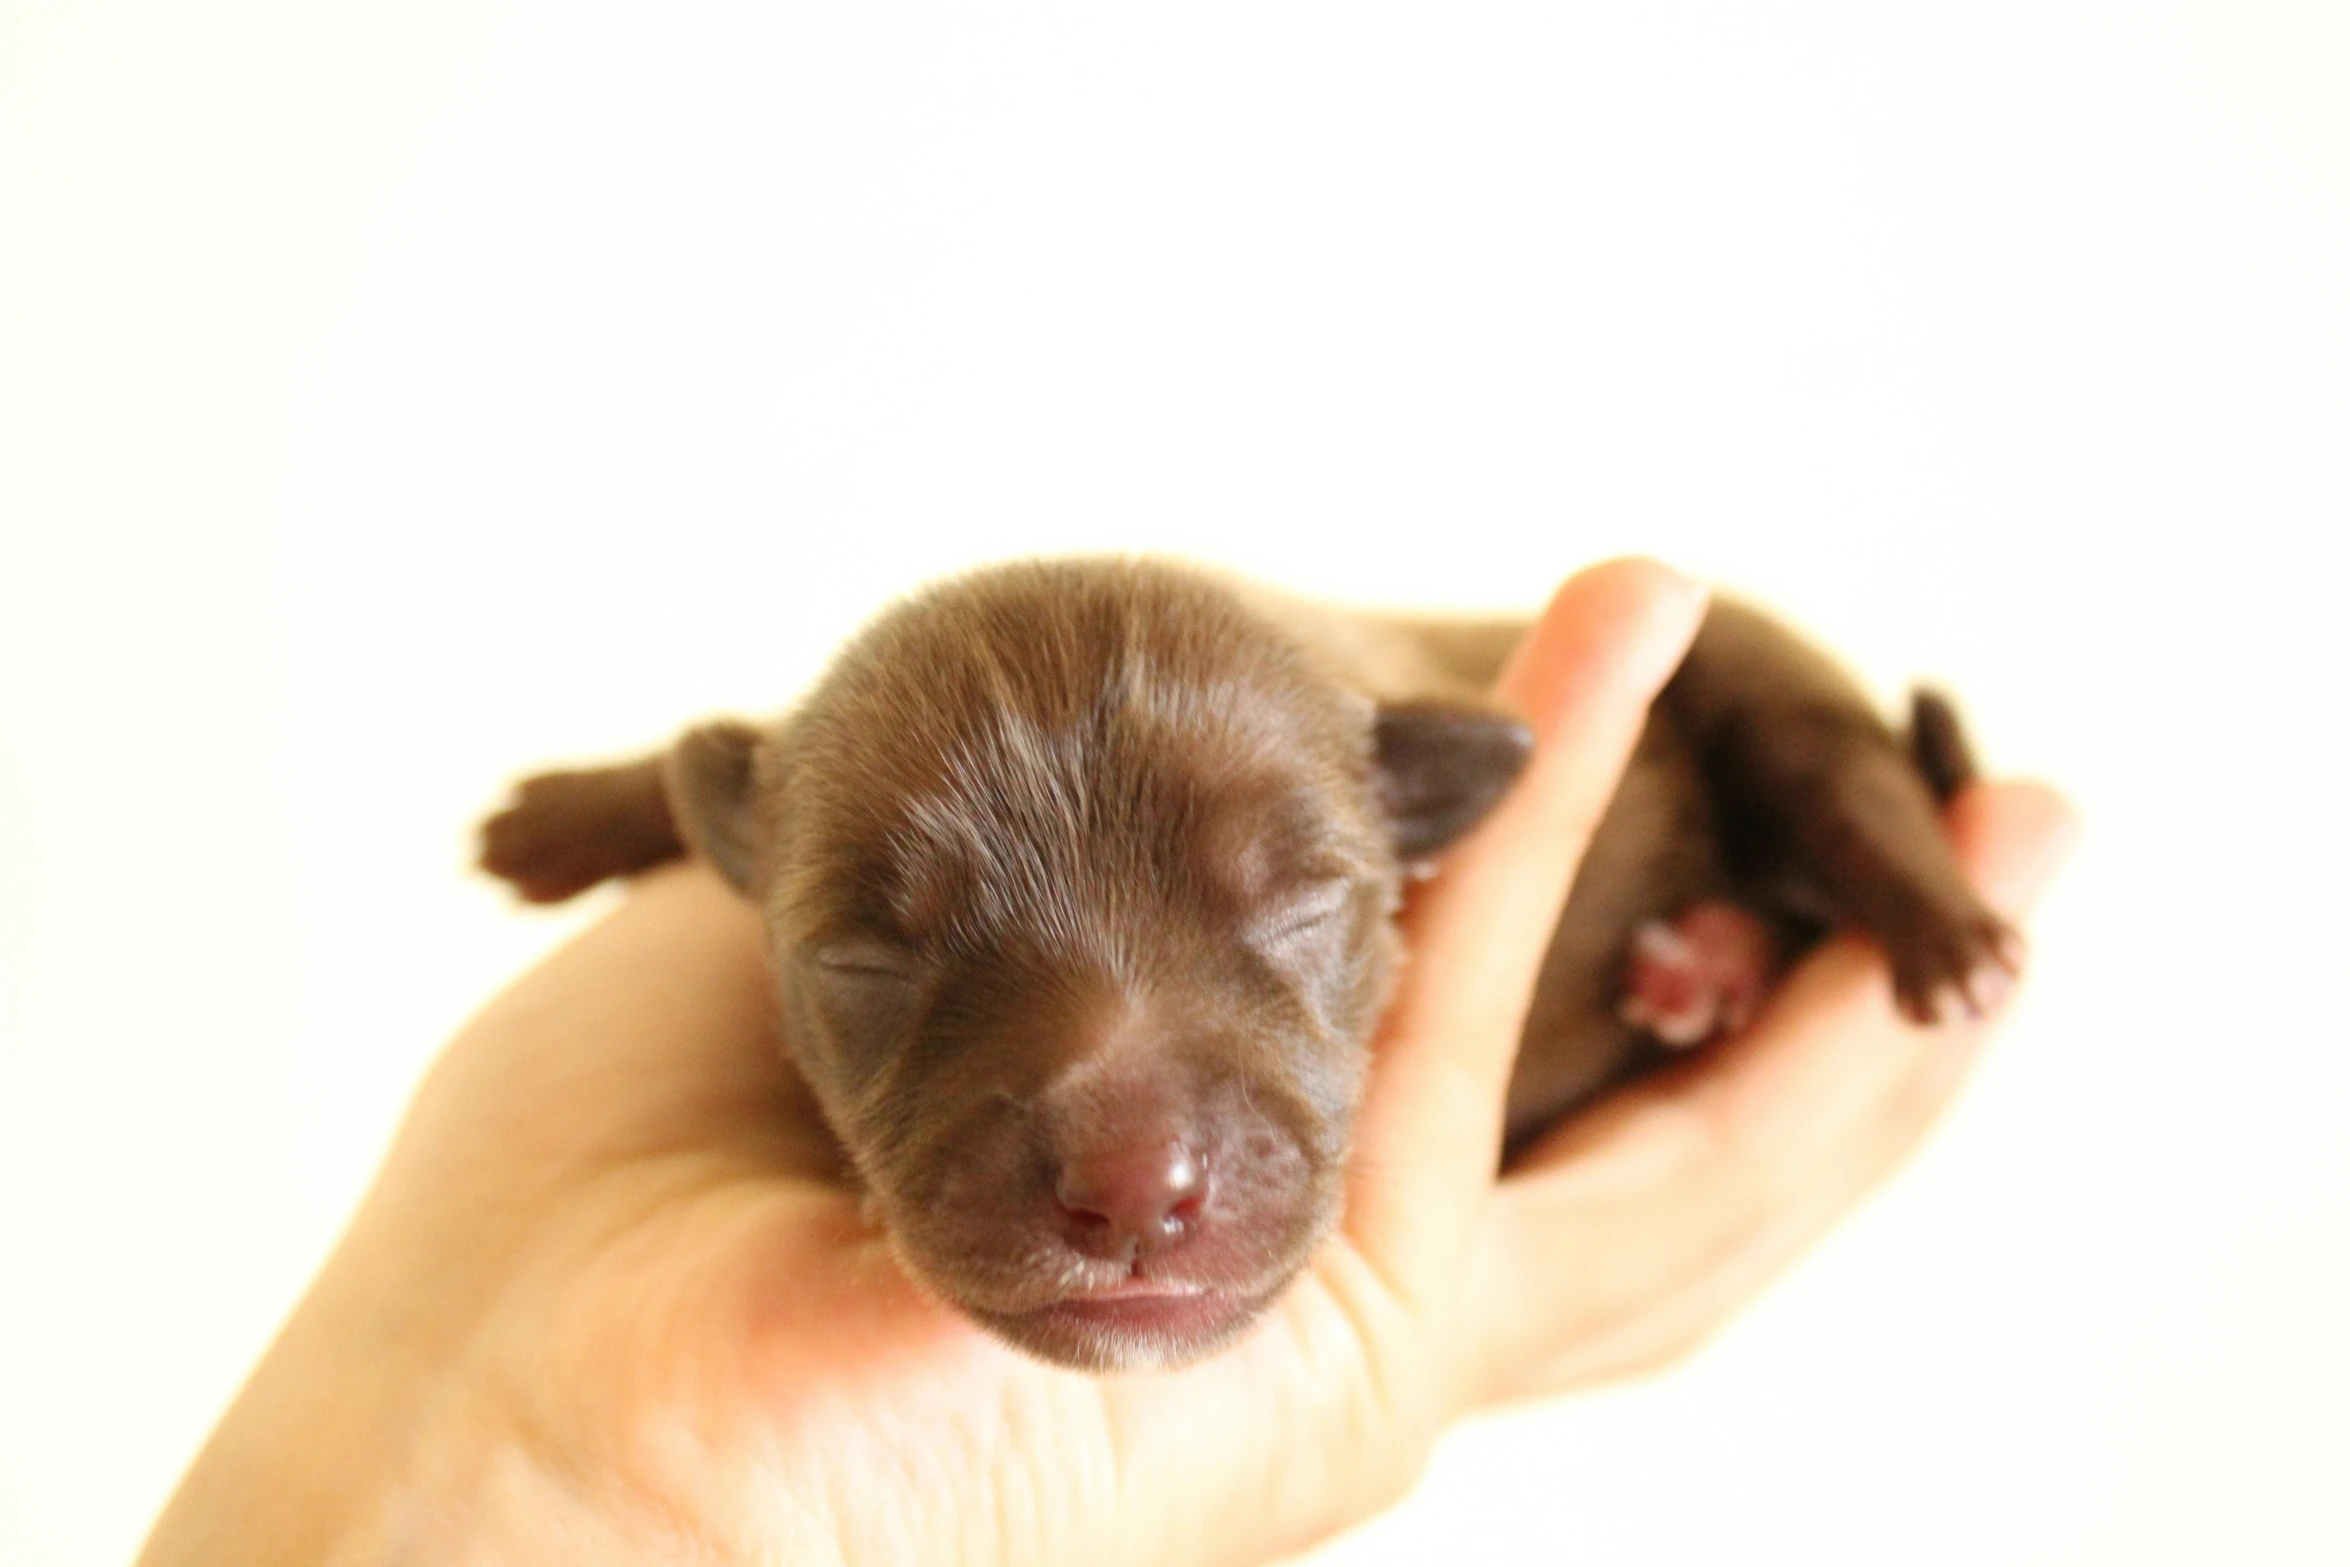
(1080, 876)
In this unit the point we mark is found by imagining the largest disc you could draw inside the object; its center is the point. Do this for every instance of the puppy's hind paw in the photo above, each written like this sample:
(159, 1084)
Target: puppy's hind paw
(1704, 972)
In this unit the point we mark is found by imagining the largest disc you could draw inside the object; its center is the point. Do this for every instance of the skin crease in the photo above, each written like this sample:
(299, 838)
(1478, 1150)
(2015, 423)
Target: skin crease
(610, 1301)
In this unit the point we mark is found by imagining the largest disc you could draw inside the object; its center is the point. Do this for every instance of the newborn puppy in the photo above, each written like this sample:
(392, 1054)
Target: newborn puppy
(1079, 877)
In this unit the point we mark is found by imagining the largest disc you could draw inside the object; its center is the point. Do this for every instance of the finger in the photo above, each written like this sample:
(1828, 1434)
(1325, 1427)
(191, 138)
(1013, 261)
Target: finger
(1429, 1134)
(1637, 1228)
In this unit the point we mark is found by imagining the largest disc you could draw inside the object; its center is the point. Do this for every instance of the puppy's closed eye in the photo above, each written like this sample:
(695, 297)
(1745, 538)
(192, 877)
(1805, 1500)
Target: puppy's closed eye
(867, 960)
(1312, 913)
(868, 995)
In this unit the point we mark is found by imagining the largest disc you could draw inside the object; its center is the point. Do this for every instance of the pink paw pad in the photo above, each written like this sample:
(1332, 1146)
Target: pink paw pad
(1702, 973)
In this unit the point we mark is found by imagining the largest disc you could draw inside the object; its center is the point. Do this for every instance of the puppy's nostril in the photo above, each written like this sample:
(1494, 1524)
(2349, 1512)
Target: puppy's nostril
(1142, 1195)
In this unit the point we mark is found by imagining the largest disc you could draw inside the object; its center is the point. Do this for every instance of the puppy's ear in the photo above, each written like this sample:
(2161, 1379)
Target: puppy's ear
(712, 778)
(1440, 766)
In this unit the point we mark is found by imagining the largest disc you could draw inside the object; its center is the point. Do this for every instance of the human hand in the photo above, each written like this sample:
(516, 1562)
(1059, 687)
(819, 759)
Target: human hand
(612, 1298)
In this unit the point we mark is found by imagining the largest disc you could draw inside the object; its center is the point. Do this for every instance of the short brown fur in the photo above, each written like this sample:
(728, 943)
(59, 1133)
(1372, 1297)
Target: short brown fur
(1061, 839)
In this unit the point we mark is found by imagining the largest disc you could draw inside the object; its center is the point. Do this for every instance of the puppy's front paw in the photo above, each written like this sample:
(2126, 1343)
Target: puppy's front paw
(565, 832)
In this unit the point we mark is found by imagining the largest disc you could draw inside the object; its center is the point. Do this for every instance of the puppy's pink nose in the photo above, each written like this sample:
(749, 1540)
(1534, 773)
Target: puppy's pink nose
(1132, 1198)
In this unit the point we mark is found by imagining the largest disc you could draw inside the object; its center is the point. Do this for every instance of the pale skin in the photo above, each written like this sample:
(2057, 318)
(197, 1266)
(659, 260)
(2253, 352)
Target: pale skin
(610, 1299)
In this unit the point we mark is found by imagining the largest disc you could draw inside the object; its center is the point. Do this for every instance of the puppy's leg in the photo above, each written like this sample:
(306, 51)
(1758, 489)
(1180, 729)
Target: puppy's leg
(565, 832)
(1826, 814)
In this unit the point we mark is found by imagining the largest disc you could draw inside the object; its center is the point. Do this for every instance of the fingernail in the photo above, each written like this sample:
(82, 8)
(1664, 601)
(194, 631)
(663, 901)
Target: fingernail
(1677, 604)
(1622, 621)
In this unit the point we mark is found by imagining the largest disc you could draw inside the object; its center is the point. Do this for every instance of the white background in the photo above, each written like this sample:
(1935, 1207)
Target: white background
(395, 397)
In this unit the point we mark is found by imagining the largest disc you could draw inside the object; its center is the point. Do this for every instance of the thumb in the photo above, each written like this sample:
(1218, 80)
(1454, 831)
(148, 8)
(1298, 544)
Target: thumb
(1429, 1136)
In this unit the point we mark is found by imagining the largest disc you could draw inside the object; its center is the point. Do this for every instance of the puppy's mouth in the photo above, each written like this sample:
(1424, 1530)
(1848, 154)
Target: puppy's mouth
(1135, 1324)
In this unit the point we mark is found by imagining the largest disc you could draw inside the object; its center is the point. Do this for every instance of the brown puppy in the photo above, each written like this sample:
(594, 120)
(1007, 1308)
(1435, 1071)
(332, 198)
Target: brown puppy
(1079, 879)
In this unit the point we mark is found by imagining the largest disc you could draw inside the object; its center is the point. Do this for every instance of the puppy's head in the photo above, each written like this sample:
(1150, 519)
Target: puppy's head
(1079, 879)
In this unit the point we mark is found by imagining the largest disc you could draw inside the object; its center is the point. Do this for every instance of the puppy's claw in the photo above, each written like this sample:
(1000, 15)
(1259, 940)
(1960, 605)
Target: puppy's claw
(1949, 966)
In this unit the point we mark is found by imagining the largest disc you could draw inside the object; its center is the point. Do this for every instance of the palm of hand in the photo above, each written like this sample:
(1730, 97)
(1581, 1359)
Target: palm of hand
(699, 1339)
